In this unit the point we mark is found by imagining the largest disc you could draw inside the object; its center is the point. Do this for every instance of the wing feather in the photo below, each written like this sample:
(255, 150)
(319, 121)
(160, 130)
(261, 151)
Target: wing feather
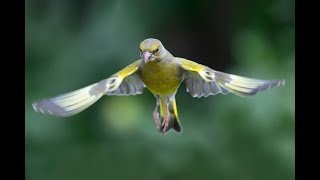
(123, 83)
(202, 81)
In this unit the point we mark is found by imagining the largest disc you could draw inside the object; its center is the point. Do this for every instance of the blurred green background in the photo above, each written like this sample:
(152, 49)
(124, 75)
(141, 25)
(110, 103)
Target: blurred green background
(74, 43)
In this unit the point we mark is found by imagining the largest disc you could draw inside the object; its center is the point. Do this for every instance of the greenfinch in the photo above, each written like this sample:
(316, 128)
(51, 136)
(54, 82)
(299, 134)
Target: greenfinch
(161, 73)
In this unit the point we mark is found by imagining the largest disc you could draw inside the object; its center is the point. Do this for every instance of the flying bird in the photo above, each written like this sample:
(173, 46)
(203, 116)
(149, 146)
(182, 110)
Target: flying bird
(161, 73)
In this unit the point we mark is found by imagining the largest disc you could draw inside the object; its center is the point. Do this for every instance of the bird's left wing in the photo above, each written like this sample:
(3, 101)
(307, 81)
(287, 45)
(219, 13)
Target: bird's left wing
(124, 82)
(204, 81)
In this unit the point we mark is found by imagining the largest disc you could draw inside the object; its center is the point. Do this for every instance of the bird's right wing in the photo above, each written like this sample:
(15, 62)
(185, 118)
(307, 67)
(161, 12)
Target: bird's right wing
(124, 82)
(204, 81)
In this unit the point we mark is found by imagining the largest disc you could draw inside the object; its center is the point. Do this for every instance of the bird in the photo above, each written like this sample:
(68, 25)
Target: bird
(162, 74)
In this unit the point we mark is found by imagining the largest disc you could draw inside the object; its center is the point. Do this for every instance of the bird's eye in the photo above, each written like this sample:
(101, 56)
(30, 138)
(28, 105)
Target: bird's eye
(155, 51)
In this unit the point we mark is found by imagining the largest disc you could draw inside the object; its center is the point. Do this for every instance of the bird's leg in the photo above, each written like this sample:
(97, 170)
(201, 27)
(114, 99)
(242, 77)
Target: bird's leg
(156, 115)
(166, 118)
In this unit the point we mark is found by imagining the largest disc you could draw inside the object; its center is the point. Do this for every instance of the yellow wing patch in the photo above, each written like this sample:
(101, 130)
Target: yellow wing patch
(129, 69)
(190, 65)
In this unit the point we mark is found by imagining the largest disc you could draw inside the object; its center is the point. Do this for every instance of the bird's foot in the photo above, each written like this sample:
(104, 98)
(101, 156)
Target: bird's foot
(165, 123)
(156, 119)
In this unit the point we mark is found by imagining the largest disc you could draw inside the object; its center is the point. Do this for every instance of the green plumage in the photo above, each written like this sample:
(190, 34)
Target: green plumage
(161, 77)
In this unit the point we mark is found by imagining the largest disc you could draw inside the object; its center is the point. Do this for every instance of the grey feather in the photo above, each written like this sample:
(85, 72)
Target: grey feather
(76, 101)
(198, 87)
(70, 103)
(244, 86)
(131, 85)
(224, 83)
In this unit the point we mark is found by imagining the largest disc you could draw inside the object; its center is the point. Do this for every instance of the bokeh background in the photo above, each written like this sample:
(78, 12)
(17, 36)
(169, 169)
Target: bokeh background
(70, 44)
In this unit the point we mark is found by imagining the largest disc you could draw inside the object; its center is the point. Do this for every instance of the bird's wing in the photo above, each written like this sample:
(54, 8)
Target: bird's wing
(204, 81)
(124, 82)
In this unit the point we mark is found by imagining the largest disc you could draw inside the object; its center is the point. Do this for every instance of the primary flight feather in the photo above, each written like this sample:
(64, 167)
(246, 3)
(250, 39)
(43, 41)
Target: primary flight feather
(162, 74)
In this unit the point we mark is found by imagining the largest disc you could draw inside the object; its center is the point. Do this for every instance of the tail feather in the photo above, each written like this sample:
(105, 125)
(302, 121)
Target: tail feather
(174, 122)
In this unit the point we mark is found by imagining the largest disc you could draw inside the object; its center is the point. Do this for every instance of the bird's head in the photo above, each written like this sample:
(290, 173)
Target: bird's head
(151, 49)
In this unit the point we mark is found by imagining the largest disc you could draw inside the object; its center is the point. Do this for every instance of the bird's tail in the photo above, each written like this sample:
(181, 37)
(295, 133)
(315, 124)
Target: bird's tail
(70, 103)
(174, 119)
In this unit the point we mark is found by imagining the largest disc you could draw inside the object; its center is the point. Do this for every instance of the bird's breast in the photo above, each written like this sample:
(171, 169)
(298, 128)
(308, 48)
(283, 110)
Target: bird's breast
(161, 77)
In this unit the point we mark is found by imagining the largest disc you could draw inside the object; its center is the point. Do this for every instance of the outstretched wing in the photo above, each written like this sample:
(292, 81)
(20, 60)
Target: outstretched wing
(124, 82)
(203, 81)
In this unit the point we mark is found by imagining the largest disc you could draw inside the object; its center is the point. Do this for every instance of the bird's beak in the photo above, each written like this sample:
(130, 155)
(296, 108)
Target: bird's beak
(147, 56)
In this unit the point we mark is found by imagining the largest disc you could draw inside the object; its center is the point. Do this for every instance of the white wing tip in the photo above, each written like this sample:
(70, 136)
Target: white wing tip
(35, 106)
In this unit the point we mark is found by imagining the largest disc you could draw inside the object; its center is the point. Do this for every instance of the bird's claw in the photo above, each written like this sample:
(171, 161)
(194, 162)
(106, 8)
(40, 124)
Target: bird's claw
(165, 123)
(156, 119)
